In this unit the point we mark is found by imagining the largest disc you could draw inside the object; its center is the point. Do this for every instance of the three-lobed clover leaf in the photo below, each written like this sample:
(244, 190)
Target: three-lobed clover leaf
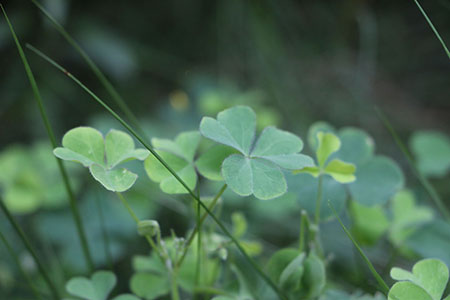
(327, 144)
(179, 155)
(432, 151)
(427, 281)
(98, 287)
(256, 168)
(87, 146)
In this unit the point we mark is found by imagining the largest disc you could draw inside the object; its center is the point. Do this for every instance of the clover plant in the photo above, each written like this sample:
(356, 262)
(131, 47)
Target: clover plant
(432, 151)
(257, 168)
(98, 287)
(102, 155)
(427, 281)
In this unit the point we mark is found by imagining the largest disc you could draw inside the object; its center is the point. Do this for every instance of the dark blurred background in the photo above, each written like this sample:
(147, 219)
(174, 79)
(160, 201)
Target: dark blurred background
(308, 60)
(294, 62)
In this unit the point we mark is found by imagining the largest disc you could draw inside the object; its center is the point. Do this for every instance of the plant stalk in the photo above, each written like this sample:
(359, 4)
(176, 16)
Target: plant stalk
(422, 179)
(51, 136)
(21, 234)
(164, 163)
(203, 218)
(13, 253)
(318, 200)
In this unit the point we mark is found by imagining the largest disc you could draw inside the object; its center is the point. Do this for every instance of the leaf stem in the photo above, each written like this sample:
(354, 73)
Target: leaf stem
(169, 169)
(51, 136)
(203, 218)
(13, 253)
(318, 200)
(374, 272)
(422, 179)
(30, 249)
(304, 225)
(433, 28)
(107, 245)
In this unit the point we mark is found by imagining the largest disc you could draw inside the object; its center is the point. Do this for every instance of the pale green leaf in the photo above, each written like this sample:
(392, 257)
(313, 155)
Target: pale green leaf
(119, 147)
(279, 261)
(377, 181)
(291, 276)
(253, 176)
(150, 286)
(116, 180)
(314, 277)
(369, 222)
(341, 171)
(239, 224)
(238, 174)
(356, 146)
(210, 162)
(432, 275)
(313, 171)
(447, 298)
(184, 146)
(281, 147)
(328, 144)
(97, 287)
(171, 185)
(84, 141)
(316, 127)
(407, 216)
(234, 127)
(432, 150)
(406, 290)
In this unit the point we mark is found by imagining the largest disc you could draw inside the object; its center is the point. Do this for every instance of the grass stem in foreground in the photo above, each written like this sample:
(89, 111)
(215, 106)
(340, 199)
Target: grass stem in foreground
(166, 166)
(73, 204)
(13, 253)
(374, 272)
(29, 247)
(433, 28)
(422, 179)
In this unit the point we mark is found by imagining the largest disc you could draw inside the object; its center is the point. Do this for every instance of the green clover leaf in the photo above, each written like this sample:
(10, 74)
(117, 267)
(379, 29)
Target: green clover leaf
(179, 155)
(98, 287)
(427, 280)
(327, 144)
(432, 150)
(87, 146)
(256, 169)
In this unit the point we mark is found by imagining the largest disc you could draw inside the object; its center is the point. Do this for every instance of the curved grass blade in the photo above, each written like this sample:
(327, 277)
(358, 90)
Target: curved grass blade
(374, 272)
(158, 157)
(101, 77)
(30, 248)
(19, 266)
(51, 136)
(433, 28)
(409, 158)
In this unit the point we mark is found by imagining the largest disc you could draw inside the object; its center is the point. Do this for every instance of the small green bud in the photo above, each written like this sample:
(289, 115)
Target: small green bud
(148, 228)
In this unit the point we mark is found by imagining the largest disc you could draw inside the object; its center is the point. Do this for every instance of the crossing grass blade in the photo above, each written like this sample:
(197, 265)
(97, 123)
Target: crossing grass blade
(433, 28)
(374, 272)
(409, 158)
(29, 247)
(95, 69)
(37, 96)
(166, 166)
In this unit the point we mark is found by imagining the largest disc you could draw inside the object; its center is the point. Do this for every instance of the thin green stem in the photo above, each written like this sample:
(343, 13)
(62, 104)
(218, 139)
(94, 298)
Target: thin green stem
(51, 136)
(374, 272)
(304, 225)
(318, 200)
(30, 249)
(174, 286)
(128, 207)
(166, 166)
(433, 28)
(203, 218)
(424, 181)
(102, 78)
(13, 253)
(199, 243)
